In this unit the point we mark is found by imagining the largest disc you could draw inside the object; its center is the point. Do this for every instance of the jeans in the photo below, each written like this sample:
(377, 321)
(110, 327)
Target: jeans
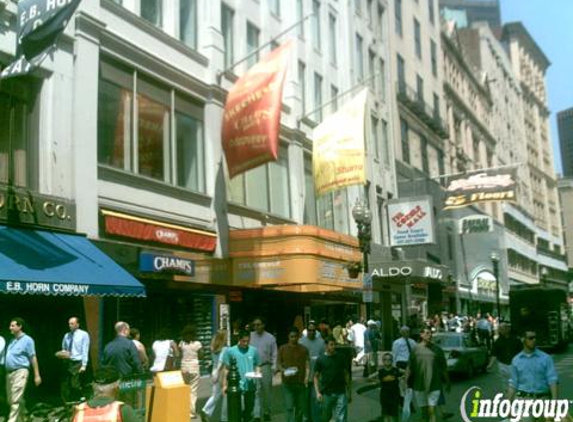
(312, 411)
(294, 401)
(216, 396)
(337, 404)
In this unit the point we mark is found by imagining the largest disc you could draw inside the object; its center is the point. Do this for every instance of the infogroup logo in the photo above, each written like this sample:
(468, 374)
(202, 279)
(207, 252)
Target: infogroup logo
(515, 410)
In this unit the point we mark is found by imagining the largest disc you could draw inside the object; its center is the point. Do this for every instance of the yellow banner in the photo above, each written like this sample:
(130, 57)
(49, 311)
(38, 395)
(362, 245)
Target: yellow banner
(338, 157)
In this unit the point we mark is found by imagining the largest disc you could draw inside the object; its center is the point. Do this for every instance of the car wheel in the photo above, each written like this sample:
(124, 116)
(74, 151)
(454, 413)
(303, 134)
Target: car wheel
(471, 370)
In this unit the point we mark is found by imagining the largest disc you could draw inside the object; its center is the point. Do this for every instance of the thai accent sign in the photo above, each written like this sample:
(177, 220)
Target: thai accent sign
(474, 224)
(251, 120)
(19, 206)
(484, 186)
(411, 221)
(165, 263)
(40, 23)
(338, 157)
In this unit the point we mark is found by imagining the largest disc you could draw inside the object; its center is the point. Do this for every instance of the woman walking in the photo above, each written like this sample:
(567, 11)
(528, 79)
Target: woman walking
(217, 351)
(165, 351)
(190, 349)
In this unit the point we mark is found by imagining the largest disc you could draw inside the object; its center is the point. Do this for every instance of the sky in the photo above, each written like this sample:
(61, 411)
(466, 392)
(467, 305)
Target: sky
(550, 23)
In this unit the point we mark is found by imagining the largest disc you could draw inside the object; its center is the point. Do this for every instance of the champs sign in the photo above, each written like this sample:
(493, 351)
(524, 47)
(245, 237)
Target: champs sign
(484, 186)
(251, 120)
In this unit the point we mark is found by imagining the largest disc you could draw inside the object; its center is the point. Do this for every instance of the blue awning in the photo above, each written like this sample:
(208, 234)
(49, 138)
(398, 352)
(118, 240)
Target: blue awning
(47, 263)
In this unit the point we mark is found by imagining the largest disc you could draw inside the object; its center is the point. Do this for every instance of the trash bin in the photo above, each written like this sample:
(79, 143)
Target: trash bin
(168, 398)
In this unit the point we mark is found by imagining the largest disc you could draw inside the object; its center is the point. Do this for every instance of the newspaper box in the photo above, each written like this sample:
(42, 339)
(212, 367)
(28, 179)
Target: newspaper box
(168, 399)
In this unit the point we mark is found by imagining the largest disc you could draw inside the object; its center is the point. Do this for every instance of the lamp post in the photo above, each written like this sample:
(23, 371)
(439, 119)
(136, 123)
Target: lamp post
(363, 217)
(544, 273)
(495, 265)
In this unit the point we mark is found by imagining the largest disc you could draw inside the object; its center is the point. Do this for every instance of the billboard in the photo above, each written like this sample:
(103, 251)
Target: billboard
(411, 221)
(483, 186)
(338, 148)
(251, 120)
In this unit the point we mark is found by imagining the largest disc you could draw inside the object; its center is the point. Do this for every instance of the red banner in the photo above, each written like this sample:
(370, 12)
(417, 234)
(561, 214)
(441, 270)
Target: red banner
(251, 122)
(142, 230)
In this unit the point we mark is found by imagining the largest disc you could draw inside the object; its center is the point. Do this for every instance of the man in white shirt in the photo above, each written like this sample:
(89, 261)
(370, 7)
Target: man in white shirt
(266, 346)
(74, 353)
(402, 348)
(357, 335)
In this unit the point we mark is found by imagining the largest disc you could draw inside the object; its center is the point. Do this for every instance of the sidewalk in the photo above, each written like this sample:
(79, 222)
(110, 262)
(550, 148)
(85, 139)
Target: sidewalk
(361, 408)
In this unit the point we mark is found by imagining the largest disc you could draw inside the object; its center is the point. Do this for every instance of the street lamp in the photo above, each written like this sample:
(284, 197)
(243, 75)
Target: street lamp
(495, 265)
(544, 274)
(363, 218)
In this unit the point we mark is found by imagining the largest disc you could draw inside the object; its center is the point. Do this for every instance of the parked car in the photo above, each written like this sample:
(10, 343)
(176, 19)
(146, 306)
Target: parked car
(463, 354)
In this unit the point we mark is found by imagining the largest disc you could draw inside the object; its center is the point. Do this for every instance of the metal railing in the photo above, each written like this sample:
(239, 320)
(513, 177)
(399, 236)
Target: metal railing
(426, 113)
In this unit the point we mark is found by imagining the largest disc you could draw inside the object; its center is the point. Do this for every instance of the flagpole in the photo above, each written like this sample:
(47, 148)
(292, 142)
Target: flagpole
(342, 94)
(256, 51)
(443, 176)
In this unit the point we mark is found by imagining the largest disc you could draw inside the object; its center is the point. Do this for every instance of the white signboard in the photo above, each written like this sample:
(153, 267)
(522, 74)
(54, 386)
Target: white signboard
(411, 221)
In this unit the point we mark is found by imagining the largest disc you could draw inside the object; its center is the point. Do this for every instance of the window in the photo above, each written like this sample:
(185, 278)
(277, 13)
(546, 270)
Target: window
(405, 141)
(398, 16)
(158, 149)
(359, 54)
(151, 11)
(381, 79)
(333, 98)
(332, 47)
(300, 17)
(385, 142)
(371, 69)
(302, 84)
(227, 21)
(417, 38)
(424, 154)
(369, 14)
(188, 22)
(436, 106)
(380, 26)
(431, 11)
(358, 6)
(434, 56)
(309, 216)
(16, 143)
(381, 217)
(252, 43)
(441, 166)
(318, 97)
(333, 211)
(265, 188)
(316, 25)
(374, 140)
(401, 74)
(275, 7)
(420, 88)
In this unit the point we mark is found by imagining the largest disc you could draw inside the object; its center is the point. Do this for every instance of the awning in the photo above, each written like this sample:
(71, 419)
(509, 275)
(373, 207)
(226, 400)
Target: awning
(47, 263)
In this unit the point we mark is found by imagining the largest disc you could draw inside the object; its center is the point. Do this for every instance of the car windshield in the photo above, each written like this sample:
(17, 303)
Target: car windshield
(447, 341)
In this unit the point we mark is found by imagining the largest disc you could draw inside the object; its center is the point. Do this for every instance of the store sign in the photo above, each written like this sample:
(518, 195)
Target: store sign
(411, 221)
(485, 186)
(475, 224)
(18, 206)
(409, 269)
(47, 288)
(165, 263)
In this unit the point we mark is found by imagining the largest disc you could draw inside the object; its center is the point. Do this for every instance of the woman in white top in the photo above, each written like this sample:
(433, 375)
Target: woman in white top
(190, 362)
(165, 352)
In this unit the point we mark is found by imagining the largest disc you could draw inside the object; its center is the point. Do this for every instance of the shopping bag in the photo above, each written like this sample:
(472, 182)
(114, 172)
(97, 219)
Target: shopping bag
(407, 402)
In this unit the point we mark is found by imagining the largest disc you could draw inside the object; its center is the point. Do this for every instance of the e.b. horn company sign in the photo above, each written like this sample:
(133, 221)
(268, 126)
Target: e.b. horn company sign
(411, 221)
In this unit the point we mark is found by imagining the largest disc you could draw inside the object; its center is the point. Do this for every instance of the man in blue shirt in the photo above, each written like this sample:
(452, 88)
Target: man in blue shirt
(74, 353)
(247, 359)
(532, 372)
(20, 355)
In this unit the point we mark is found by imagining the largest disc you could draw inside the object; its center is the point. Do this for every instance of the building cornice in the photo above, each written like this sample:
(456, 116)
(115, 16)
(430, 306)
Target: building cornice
(517, 30)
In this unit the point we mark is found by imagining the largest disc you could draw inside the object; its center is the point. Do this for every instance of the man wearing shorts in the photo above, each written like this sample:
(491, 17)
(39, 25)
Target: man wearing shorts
(429, 372)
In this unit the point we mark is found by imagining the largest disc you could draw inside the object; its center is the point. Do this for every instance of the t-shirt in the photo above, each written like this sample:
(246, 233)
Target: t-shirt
(427, 364)
(389, 381)
(331, 370)
(247, 359)
(127, 413)
(315, 349)
(505, 349)
(20, 352)
(293, 356)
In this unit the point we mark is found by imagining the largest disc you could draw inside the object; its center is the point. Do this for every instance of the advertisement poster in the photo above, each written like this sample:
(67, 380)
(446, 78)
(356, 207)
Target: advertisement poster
(411, 221)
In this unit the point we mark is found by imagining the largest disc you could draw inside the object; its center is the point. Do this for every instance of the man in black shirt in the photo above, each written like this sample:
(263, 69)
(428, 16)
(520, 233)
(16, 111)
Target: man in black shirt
(504, 349)
(332, 383)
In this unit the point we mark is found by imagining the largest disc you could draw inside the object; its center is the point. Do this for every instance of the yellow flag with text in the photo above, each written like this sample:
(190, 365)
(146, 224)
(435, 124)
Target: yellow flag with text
(338, 157)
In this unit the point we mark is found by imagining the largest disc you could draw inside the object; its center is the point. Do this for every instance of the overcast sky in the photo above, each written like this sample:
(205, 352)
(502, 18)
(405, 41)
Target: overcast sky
(550, 23)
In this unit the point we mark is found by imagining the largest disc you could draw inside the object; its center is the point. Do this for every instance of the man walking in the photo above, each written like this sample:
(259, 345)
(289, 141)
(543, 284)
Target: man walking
(429, 370)
(402, 348)
(357, 337)
(20, 355)
(315, 347)
(504, 349)
(74, 354)
(332, 383)
(293, 364)
(266, 346)
(484, 330)
(247, 359)
(533, 374)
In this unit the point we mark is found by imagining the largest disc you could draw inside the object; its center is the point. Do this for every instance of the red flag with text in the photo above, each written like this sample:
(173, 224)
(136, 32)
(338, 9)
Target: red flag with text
(251, 120)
